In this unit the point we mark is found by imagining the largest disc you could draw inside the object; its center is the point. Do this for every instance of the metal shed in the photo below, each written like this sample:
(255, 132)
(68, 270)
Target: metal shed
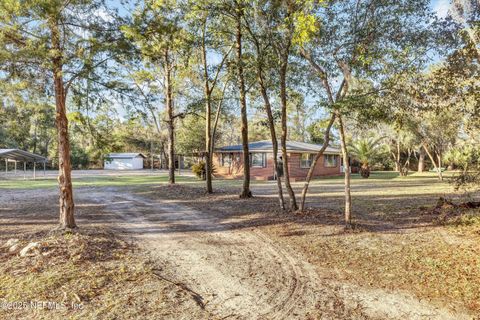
(124, 161)
(17, 155)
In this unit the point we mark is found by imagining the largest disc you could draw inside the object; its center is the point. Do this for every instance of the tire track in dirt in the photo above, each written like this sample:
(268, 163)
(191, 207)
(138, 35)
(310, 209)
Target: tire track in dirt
(262, 281)
(240, 272)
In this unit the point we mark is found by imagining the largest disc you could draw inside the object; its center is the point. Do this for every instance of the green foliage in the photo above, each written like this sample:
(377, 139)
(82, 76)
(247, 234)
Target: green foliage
(367, 151)
(305, 24)
(379, 47)
(26, 121)
(316, 131)
(191, 136)
(463, 157)
(79, 157)
(467, 159)
(199, 170)
(29, 54)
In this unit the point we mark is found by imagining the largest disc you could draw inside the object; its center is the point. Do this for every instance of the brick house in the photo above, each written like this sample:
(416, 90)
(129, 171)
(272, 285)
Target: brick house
(228, 161)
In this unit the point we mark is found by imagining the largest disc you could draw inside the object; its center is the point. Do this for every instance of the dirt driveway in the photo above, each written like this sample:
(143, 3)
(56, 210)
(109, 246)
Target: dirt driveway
(236, 271)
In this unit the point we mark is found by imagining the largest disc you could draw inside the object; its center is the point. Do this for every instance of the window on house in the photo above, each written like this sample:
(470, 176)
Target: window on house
(258, 160)
(226, 159)
(306, 160)
(330, 160)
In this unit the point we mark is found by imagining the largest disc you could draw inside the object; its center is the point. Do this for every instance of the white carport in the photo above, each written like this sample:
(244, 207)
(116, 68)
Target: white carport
(17, 155)
(124, 161)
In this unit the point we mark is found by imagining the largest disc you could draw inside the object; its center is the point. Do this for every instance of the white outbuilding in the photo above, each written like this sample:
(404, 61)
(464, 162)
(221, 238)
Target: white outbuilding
(124, 161)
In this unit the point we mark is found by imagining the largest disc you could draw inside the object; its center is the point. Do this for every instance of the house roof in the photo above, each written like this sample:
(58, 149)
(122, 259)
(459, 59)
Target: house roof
(292, 146)
(21, 155)
(124, 155)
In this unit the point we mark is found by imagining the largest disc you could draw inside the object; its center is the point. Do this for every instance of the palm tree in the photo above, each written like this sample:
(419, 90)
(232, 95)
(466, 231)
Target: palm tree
(366, 151)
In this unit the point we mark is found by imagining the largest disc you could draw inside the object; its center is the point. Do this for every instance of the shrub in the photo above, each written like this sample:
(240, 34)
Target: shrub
(467, 159)
(199, 170)
(79, 157)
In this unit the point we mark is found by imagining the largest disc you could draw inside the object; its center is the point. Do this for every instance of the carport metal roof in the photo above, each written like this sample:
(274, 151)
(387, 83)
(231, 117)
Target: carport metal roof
(20, 155)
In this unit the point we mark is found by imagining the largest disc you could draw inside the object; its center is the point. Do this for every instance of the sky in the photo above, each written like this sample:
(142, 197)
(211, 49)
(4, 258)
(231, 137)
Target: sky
(441, 7)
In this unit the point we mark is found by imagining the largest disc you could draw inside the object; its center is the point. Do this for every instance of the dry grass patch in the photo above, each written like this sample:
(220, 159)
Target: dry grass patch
(86, 275)
(397, 243)
(437, 262)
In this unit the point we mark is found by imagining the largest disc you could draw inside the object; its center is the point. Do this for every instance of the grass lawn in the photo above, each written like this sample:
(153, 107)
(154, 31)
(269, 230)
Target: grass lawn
(94, 181)
(161, 178)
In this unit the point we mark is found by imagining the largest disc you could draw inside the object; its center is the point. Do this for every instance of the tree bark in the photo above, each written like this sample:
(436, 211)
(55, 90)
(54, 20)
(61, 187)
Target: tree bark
(268, 109)
(346, 166)
(246, 193)
(35, 137)
(208, 117)
(208, 143)
(314, 163)
(66, 203)
(405, 167)
(283, 98)
(421, 160)
(440, 174)
(332, 100)
(435, 166)
(398, 165)
(171, 119)
(273, 135)
(217, 117)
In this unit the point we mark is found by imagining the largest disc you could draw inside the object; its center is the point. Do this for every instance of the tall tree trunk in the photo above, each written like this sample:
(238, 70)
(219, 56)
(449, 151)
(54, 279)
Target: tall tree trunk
(437, 168)
(421, 160)
(246, 193)
(35, 136)
(406, 165)
(47, 145)
(171, 120)
(67, 219)
(314, 163)
(217, 117)
(283, 98)
(208, 116)
(440, 174)
(171, 147)
(398, 165)
(268, 109)
(346, 167)
(208, 146)
(273, 135)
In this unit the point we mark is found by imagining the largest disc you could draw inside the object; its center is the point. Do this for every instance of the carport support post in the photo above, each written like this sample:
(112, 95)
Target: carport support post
(15, 167)
(44, 168)
(34, 173)
(24, 170)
